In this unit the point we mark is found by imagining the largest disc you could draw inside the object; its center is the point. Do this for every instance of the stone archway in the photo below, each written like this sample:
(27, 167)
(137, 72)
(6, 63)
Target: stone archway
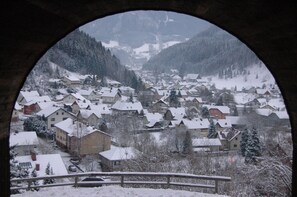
(29, 28)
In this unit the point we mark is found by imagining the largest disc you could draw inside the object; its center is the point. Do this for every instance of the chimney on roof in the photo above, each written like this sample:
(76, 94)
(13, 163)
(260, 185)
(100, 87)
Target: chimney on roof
(33, 155)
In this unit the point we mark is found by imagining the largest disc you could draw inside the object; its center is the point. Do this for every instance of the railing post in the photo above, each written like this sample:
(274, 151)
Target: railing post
(29, 185)
(168, 182)
(122, 180)
(216, 186)
(75, 181)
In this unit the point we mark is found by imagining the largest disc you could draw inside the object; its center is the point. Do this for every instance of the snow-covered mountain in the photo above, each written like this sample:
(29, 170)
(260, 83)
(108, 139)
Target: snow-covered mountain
(134, 37)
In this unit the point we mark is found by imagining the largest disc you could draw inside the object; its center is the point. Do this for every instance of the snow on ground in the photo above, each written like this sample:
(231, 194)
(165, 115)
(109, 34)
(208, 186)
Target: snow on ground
(259, 75)
(111, 44)
(112, 191)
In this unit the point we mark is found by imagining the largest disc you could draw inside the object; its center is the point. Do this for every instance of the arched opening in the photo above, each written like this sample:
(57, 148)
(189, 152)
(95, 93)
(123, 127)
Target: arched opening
(73, 37)
(250, 22)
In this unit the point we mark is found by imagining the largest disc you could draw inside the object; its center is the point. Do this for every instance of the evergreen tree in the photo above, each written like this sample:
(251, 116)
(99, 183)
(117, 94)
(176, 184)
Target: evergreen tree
(204, 112)
(220, 101)
(212, 133)
(173, 100)
(48, 171)
(131, 98)
(34, 174)
(187, 143)
(256, 142)
(253, 148)
(244, 141)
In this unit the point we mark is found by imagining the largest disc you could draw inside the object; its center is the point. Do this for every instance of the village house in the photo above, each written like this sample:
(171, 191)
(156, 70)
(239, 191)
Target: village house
(109, 95)
(71, 81)
(126, 90)
(89, 117)
(79, 139)
(78, 105)
(198, 127)
(16, 112)
(160, 107)
(218, 112)
(127, 108)
(71, 98)
(40, 162)
(153, 120)
(24, 142)
(26, 96)
(192, 77)
(206, 144)
(230, 139)
(175, 113)
(88, 94)
(36, 104)
(193, 102)
(103, 109)
(112, 159)
(221, 124)
(54, 115)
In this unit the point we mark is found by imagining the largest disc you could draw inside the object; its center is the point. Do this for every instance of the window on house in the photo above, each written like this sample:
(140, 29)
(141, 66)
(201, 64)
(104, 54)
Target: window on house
(57, 113)
(236, 138)
(64, 118)
(62, 113)
(53, 119)
(116, 163)
(235, 145)
(52, 125)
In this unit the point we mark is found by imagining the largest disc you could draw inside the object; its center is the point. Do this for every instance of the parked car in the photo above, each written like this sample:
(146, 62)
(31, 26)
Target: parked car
(75, 160)
(90, 182)
(72, 168)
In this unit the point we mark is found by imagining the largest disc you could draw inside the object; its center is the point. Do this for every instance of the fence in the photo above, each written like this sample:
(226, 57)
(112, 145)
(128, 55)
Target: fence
(167, 180)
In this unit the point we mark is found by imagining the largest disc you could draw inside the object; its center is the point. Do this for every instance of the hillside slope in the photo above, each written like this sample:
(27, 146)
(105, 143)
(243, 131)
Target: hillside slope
(212, 51)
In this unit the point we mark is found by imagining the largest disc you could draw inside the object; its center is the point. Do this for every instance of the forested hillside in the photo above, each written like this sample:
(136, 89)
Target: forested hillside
(210, 52)
(80, 53)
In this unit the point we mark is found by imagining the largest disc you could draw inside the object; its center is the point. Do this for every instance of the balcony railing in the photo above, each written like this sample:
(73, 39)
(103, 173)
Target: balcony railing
(166, 180)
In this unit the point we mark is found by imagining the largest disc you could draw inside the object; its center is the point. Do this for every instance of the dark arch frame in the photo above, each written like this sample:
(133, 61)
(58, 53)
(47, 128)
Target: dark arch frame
(29, 28)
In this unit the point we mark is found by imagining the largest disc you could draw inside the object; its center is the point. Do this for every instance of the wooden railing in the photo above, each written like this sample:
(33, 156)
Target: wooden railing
(168, 180)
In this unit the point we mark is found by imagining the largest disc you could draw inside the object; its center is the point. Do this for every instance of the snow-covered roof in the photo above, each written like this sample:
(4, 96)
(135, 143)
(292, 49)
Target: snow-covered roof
(262, 91)
(206, 142)
(82, 104)
(55, 161)
(191, 76)
(109, 92)
(228, 134)
(277, 103)
(196, 123)
(17, 106)
(224, 123)
(85, 113)
(72, 78)
(48, 111)
(101, 108)
(79, 97)
(44, 105)
(85, 92)
(190, 98)
(236, 120)
(29, 94)
(223, 109)
(283, 115)
(264, 112)
(154, 117)
(119, 153)
(177, 113)
(127, 106)
(243, 98)
(23, 138)
(75, 128)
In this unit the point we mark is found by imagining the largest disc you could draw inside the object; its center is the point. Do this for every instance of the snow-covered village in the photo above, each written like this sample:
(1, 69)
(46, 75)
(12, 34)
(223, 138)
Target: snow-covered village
(174, 122)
